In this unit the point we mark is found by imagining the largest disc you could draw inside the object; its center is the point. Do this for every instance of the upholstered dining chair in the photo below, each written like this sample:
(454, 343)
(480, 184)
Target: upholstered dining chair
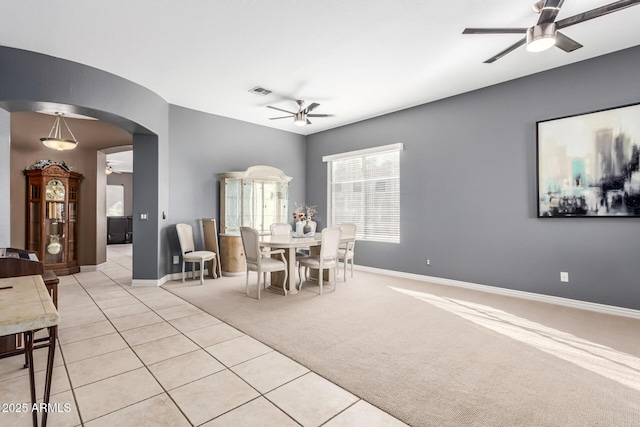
(259, 260)
(327, 259)
(190, 255)
(280, 229)
(346, 251)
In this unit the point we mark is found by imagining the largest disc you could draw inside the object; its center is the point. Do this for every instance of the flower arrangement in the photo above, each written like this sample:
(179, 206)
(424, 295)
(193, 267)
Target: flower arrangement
(304, 212)
(303, 218)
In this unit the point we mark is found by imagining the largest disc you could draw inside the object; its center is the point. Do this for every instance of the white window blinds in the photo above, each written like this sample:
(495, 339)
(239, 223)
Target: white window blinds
(364, 188)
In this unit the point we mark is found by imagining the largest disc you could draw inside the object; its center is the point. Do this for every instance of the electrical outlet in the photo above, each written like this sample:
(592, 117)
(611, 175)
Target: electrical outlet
(176, 259)
(428, 262)
(564, 276)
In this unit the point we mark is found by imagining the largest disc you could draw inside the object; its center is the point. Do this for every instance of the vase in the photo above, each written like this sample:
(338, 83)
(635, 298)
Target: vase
(300, 228)
(310, 227)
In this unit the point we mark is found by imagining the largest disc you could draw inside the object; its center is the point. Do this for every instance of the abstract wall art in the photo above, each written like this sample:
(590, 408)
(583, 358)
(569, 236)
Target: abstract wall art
(588, 164)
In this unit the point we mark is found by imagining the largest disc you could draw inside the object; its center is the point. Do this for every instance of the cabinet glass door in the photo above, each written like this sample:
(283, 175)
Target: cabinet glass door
(72, 230)
(233, 206)
(54, 233)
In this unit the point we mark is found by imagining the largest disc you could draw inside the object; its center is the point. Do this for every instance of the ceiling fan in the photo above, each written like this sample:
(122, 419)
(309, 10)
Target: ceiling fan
(545, 34)
(109, 169)
(301, 117)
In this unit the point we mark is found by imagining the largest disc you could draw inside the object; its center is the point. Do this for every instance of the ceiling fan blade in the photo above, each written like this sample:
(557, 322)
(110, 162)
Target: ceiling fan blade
(565, 43)
(595, 13)
(312, 107)
(319, 115)
(549, 11)
(494, 31)
(280, 109)
(507, 50)
(276, 118)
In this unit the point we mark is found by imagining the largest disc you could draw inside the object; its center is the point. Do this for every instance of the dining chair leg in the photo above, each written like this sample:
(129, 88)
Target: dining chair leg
(259, 274)
(201, 272)
(320, 276)
(345, 268)
(183, 263)
(351, 267)
(284, 282)
(247, 283)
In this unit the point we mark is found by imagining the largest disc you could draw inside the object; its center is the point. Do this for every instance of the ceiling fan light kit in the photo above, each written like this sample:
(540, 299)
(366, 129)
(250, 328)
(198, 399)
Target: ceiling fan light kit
(300, 119)
(541, 37)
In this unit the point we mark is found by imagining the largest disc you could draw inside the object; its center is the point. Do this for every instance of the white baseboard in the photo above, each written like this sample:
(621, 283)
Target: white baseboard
(151, 282)
(167, 278)
(583, 305)
(98, 267)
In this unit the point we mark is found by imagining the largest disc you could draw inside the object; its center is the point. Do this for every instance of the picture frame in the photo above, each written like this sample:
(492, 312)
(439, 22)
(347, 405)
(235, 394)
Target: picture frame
(588, 164)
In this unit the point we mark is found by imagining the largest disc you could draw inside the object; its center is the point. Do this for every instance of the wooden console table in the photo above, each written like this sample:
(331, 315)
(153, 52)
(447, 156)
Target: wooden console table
(25, 307)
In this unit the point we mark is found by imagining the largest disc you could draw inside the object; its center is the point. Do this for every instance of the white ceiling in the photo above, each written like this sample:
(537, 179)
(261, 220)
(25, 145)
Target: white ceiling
(121, 161)
(356, 58)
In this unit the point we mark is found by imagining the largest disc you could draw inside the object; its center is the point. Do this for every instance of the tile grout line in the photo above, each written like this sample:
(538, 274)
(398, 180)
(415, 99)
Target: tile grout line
(199, 347)
(137, 356)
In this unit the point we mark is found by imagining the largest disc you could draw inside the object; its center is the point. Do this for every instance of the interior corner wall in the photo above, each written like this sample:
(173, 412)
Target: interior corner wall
(468, 187)
(203, 145)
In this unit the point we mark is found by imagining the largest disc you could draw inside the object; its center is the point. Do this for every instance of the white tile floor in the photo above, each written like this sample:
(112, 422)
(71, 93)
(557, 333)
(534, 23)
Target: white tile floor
(140, 356)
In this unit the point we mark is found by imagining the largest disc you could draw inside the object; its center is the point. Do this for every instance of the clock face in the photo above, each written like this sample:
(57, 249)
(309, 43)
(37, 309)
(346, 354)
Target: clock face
(55, 190)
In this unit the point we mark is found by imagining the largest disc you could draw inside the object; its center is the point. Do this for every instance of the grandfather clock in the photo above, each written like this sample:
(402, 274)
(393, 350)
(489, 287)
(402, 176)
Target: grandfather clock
(52, 215)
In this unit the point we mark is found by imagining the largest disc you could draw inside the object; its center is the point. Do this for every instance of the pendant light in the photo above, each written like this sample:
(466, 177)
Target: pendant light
(55, 139)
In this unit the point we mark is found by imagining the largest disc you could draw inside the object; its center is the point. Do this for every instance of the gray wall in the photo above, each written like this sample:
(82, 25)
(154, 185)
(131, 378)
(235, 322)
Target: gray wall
(203, 145)
(468, 187)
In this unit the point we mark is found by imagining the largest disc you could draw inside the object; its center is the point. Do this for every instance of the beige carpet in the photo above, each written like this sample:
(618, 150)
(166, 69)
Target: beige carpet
(433, 355)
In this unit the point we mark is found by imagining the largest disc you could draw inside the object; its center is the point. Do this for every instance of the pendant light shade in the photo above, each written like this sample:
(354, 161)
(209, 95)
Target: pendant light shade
(55, 139)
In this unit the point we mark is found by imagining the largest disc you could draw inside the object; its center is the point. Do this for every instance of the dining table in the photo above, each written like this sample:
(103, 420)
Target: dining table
(291, 244)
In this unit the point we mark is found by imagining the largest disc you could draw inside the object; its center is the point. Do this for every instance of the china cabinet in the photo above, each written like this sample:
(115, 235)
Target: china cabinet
(256, 198)
(52, 216)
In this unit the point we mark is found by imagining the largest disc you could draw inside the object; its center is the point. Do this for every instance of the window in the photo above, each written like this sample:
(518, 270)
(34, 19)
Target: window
(364, 188)
(115, 200)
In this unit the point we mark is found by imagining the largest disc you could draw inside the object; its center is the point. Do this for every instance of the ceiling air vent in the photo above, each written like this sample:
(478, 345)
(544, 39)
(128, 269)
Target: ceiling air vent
(260, 91)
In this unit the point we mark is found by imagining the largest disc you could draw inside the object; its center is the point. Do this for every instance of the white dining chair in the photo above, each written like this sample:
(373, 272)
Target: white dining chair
(259, 260)
(327, 259)
(346, 251)
(190, 255)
